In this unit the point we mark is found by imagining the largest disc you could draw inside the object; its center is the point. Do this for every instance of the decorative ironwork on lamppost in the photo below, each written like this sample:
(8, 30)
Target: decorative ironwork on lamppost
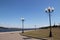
(49, 10)
(22, 25)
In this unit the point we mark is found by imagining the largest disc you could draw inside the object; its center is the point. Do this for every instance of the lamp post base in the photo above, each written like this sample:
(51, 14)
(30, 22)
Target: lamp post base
(22, 31)
(50, 35)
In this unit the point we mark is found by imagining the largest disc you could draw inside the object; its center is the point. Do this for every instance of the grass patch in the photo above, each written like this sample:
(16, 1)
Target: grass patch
(44, 33)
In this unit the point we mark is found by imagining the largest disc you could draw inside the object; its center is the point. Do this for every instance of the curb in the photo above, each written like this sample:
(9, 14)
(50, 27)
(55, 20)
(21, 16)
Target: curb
(36, 37)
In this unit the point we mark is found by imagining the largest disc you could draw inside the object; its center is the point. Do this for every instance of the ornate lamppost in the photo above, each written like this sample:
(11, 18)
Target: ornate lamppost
(22, 25)
(35, 27)
(49, 10)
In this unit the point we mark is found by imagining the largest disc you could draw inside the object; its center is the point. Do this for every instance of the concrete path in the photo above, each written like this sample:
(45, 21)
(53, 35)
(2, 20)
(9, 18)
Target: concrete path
(14, 36)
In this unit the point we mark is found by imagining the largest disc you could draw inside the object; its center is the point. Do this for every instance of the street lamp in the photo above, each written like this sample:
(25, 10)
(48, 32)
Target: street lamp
(35, 27)
(49, 10)
(22, 25)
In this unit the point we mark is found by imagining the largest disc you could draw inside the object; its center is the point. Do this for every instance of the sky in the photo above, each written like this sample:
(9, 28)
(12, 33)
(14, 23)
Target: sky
(33, 12)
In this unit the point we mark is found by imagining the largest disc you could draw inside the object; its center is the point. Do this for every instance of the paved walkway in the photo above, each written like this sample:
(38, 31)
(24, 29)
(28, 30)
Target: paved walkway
(14, 36)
